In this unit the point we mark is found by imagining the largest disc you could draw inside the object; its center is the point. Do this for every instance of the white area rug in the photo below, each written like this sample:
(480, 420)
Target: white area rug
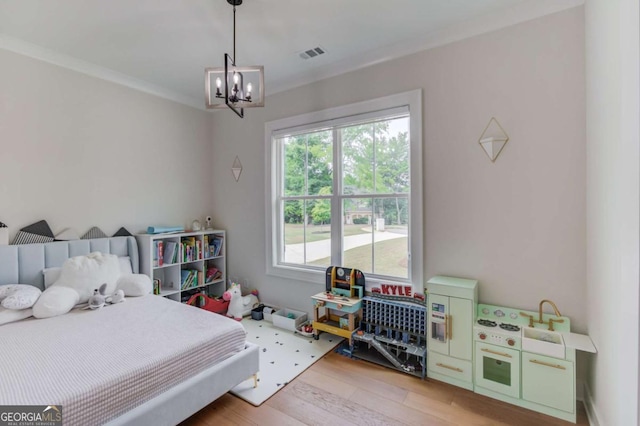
(283, 356)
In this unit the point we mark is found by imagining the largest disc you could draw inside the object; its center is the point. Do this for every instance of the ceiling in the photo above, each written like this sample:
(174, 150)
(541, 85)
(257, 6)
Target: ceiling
(163, 46)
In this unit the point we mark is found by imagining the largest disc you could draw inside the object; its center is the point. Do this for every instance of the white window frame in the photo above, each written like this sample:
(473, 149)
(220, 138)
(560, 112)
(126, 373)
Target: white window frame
(333, 116)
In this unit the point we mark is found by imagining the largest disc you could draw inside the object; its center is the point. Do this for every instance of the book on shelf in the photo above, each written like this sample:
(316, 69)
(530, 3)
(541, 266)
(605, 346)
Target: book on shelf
(189, 249)
(157, 286)
(158, 253)
(189, 278)
(216, 246)
(170, 252)
(212, 274)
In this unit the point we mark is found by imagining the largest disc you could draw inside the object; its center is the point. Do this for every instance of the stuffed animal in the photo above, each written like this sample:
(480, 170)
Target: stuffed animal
(97, 301)
(117, 297)
(240, 305)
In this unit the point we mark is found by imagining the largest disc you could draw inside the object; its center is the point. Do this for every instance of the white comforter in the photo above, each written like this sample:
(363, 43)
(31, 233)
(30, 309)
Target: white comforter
(100, 364)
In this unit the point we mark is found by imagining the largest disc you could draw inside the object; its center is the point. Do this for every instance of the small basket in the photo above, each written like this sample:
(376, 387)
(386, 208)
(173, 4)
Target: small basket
(300, 330)
(257, 313)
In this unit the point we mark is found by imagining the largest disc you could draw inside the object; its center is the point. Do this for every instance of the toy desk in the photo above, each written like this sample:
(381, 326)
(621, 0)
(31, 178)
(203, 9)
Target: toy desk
(340, 314)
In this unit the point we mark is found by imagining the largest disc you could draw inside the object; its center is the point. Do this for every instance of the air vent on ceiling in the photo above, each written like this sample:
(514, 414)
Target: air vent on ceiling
(312, 53)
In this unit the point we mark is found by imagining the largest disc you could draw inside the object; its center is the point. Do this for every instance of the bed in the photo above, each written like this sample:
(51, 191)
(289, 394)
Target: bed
(148, 361)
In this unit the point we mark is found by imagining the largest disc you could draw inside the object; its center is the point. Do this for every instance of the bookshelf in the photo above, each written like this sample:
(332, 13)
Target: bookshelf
(185, 263)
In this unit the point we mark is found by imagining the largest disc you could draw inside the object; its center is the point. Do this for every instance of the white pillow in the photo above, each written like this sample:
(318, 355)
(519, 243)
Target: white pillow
(10, 315)
(135, 285)
(24, 296)
(54, 301)
(51, 275)
(8, 290)
(125, 265)
(87, 273)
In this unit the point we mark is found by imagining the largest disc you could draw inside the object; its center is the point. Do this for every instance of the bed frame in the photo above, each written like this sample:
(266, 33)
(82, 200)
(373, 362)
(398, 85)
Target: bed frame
(24, 264)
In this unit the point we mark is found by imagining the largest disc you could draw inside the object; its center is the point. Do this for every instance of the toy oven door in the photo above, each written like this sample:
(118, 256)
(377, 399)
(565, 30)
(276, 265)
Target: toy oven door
(498, 369)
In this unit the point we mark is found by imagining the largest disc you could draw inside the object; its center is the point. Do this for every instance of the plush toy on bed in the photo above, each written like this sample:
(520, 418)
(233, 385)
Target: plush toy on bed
(79, 276)
(117, 297)
(98, 299)
(240, 305)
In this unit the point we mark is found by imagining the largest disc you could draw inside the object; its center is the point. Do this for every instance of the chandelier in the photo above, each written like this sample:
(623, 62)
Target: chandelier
(243, 86)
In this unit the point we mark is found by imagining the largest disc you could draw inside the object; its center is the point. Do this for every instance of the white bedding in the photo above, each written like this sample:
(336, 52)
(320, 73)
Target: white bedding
(100, 364)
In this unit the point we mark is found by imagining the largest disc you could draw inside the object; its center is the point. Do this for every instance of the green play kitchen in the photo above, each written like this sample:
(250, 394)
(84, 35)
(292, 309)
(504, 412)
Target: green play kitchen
(526, 358)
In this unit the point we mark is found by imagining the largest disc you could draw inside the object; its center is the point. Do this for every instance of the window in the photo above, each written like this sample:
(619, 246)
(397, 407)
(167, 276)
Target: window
(344, 188)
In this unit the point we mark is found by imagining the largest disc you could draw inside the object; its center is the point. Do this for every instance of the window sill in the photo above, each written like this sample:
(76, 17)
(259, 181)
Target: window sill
(317, 277)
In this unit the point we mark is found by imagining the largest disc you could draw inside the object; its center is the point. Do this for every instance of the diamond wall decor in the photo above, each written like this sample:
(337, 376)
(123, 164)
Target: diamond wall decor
(493, 139)
(236, 168)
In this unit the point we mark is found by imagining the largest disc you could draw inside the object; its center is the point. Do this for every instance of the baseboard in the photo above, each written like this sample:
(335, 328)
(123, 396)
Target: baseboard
(580, 390)
(590, 407)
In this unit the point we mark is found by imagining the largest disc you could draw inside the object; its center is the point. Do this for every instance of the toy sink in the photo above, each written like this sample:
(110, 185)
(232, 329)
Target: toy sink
(543, 342)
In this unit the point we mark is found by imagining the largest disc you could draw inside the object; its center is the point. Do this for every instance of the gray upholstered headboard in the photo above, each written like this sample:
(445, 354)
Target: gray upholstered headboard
(23, 264)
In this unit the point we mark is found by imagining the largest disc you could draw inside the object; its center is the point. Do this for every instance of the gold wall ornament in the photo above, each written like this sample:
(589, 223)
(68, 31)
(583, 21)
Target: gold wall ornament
(493, 139)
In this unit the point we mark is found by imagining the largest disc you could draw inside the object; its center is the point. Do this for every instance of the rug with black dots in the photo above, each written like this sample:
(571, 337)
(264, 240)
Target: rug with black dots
(283, 356)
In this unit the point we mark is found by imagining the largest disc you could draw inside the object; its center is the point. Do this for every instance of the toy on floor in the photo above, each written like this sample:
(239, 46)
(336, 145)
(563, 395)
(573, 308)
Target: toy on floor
(211, 304)
(240, 305)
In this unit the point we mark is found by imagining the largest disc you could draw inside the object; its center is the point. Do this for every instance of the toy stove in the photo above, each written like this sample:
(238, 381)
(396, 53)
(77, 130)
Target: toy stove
(497, 342)
(497, 330)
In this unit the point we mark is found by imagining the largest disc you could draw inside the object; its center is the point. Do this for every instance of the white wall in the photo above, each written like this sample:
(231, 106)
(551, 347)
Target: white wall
(517, 225)
(81, 152)
(613, 196)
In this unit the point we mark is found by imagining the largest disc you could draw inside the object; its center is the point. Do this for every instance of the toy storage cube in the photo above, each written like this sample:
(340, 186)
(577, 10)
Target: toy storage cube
(281, 319)
(257, 313)
(268, 312)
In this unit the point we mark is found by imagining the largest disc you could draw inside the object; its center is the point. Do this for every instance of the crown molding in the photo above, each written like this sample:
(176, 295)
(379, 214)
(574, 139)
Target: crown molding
(65, 61)
(521, 12)
(516, 14)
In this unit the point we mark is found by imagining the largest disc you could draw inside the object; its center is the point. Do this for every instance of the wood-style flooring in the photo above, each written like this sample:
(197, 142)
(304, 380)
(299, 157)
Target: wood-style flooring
(337, 390)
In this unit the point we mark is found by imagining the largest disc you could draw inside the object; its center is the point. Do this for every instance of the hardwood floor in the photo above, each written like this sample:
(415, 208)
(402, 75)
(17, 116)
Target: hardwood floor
(337, 390)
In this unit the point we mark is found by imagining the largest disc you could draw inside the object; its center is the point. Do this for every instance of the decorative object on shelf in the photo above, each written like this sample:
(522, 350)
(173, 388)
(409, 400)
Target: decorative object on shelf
(123, 232)
(493, 139)
(67, 234)
(4, 234)
(164, 229)
(196, 225)
(236, 168)
(207, 222)
(241, 84)
(38, 232)
(92, 233)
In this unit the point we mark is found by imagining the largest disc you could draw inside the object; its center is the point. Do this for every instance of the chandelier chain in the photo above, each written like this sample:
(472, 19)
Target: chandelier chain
(234, 34)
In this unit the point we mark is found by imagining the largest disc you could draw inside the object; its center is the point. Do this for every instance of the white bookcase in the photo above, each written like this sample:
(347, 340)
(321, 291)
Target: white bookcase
(196, 255)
